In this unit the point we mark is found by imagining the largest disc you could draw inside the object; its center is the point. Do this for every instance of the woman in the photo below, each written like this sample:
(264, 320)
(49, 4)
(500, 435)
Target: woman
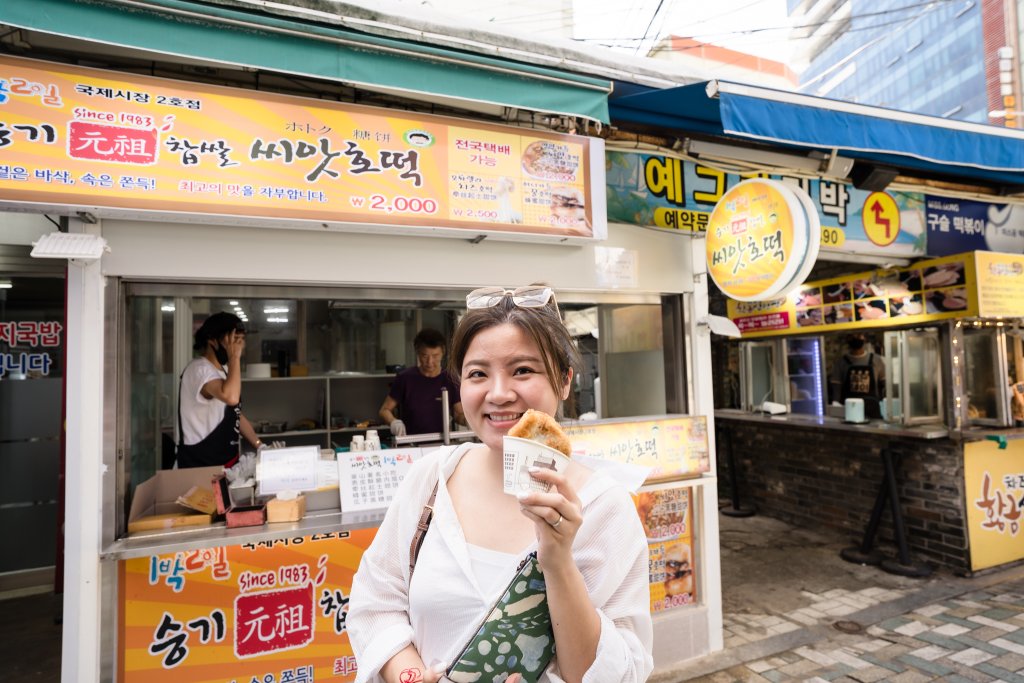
(511, 352)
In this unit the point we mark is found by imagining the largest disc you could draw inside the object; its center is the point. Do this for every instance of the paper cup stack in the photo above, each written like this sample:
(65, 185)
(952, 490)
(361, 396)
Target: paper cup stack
(520, 456)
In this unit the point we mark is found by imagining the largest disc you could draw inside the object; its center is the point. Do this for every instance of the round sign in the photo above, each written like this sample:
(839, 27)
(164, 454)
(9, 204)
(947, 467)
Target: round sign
(881, 218)
(758, 240)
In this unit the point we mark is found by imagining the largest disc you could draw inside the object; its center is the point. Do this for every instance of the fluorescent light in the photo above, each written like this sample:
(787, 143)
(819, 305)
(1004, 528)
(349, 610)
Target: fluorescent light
(276, 309)
(232, 303)
(167, 308)
(816, 162)
(68, 245)
(6, 284)
(277, 320)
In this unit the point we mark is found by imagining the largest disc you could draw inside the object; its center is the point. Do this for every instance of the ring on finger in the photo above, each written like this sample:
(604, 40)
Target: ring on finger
(554, 525)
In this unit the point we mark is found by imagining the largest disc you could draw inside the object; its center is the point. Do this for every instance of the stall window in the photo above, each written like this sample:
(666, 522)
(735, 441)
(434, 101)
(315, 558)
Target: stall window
(982, 386)
(632, 360)
(914, 372)
(1015, 375)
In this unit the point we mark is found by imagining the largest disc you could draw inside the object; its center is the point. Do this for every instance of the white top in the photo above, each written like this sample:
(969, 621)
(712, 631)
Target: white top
(199, 415)
(445, 602)
(488, 566)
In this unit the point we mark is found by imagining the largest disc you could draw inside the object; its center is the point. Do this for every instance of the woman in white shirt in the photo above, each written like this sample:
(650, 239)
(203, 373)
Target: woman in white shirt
(511, 352)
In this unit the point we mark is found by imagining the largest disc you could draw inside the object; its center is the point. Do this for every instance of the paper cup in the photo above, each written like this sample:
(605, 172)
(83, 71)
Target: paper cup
(520, 456)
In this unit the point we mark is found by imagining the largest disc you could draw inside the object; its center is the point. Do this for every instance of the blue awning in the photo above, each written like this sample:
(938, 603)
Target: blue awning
(885, 136)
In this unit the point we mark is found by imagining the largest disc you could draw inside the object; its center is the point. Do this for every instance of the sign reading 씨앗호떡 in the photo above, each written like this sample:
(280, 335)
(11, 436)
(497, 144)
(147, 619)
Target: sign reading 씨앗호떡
(935, 289)
(762, 239)
(264, 611)
(85, 137)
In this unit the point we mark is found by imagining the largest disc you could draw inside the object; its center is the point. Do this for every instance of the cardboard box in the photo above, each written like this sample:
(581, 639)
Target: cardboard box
(154, 499)
(236, 515)
(286, 510)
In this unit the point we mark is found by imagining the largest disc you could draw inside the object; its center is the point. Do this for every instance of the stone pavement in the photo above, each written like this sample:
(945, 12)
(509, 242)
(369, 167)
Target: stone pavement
(784, 623)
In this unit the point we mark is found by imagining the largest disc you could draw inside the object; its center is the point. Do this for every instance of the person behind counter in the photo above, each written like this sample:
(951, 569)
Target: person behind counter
(210, 419)
(512, 352)
(860, 374)
(416, 392)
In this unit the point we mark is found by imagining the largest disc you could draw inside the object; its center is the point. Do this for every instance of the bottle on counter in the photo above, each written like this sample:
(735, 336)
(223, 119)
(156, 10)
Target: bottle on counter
(372, 440)
(357, 443)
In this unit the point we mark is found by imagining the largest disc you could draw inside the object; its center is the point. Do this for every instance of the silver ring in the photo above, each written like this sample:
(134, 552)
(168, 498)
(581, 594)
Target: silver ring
(555, 525)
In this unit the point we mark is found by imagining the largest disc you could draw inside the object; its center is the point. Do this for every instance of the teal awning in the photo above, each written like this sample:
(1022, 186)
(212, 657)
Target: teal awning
(274, 43)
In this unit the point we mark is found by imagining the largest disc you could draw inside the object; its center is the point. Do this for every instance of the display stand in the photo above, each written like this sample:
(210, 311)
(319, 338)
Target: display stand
(736, 508)
(865, 554)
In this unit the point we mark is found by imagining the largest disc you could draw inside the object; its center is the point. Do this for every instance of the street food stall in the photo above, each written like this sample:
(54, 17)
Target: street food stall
(233, 201)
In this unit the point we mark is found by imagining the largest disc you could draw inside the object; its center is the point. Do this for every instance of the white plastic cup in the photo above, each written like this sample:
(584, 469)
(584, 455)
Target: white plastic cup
(357, 443)
(522, 454)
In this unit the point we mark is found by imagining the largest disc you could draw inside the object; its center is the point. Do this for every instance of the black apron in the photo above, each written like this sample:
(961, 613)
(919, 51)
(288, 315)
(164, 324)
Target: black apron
(860, 382)
(220, 447)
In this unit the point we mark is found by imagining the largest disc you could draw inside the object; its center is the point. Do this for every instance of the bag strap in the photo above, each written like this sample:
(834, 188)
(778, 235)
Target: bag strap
(421, 530)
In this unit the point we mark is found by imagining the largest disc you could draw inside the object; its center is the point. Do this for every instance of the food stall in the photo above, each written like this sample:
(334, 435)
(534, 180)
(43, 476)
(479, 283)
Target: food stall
(160, 235)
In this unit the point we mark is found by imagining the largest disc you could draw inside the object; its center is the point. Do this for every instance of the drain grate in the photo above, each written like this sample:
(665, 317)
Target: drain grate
(848, 627)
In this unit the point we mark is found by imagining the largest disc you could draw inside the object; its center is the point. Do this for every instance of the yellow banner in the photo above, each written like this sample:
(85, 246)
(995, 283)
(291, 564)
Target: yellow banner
(673, 447)
(1000, 284)
(267, 611)
(994, 494)
(936, 289)
(87, 137)
(668, 522)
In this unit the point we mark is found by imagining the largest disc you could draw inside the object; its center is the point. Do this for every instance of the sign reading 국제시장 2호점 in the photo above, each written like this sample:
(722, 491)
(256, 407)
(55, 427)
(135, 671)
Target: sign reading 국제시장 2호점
(85, 137)
(762, 240)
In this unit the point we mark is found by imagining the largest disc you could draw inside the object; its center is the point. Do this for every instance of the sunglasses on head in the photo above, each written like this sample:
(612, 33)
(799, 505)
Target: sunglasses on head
(530, 296)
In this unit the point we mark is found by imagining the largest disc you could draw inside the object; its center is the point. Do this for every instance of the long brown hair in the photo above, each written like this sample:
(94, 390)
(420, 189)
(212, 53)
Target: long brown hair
(542, 325)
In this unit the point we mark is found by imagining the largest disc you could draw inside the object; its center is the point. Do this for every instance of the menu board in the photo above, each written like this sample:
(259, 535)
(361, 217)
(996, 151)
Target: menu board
(1000, 284)
(666, 515)
(79, 136)
(367, 480)
(672, 446)
(935, 289)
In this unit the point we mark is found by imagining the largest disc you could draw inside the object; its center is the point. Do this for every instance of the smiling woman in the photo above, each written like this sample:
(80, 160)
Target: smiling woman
(512, 355)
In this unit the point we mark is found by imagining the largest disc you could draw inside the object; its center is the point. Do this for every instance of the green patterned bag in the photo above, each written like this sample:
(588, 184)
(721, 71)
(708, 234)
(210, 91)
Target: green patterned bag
(516, 636)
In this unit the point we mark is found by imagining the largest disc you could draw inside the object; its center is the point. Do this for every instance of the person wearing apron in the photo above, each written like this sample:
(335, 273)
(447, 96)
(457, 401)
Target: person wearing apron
(210, 420)
(862, 377)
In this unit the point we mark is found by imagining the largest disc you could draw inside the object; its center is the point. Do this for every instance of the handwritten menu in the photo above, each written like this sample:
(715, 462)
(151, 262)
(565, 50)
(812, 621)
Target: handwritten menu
(368, 480)
(287, 469)
(673, 446)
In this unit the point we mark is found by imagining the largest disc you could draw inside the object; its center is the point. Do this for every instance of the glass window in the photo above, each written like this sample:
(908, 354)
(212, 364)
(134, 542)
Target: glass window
(983, 390)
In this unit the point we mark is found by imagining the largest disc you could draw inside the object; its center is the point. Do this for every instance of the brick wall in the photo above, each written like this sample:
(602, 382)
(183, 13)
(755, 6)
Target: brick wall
(817, 478)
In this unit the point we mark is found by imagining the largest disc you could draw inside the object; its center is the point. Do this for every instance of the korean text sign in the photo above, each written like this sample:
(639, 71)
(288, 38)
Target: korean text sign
(272, 611)
(673, 447)
(994, 494)
(87, 137)
(666, 513)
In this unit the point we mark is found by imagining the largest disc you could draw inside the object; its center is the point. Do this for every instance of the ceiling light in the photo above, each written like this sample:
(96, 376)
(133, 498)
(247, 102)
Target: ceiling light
(6, 284)
(277, 320)
(276, 309)
(232, 303)
(167, 308)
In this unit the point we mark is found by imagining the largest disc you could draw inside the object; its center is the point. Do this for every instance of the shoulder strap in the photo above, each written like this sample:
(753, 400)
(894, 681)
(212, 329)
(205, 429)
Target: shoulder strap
(421, 530)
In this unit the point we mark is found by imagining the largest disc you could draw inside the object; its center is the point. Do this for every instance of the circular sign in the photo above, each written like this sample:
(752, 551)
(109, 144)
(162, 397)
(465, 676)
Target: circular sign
(881, 218)
(759, 239)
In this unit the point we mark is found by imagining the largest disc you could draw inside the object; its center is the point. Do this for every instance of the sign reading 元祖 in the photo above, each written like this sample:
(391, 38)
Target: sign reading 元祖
(85, 137)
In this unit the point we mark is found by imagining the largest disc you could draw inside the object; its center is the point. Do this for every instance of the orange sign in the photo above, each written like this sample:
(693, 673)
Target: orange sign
(93, 138)
(667, 517)
(758, 240)
(273, 610)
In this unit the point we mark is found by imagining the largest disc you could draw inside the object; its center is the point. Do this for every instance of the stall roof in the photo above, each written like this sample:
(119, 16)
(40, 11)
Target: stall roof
(244, 36)
(928, 144)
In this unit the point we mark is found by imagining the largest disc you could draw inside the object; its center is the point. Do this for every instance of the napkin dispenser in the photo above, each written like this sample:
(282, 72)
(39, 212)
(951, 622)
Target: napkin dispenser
(854, 410)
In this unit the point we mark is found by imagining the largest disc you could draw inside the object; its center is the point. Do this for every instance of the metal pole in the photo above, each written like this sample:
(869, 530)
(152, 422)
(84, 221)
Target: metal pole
(446, 426)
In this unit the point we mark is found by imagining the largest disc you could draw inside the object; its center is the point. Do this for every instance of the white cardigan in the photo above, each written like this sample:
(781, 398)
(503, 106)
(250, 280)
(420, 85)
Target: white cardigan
(444, 605)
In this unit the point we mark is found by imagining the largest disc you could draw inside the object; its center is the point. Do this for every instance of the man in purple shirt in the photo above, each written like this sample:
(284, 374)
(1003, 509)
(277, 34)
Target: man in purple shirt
(415, 395)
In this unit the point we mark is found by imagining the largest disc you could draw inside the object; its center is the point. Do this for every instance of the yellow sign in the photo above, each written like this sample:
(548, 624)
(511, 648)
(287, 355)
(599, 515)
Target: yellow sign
(673, 446)
(272, 610)
(881, 218)
(832, 238)
(1000, 284)
(994, 494)
(78, 136)
(936, 289)
(757, 240)
(667, 516)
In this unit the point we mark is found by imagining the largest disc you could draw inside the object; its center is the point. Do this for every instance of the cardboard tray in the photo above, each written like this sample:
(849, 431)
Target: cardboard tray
(154, 505)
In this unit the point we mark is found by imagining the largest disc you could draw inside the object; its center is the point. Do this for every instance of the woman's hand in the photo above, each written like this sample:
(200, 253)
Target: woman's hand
(557, 516)
(235, 344)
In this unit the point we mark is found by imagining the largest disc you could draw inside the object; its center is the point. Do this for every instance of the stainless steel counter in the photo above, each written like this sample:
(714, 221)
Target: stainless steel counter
(879, 427)
(160, 542)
